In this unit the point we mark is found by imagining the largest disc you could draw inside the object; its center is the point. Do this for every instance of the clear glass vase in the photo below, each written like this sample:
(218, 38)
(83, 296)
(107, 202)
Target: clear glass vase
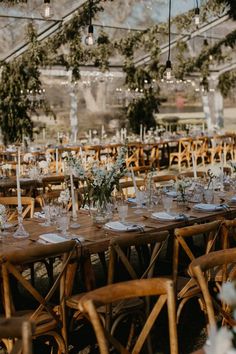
(101, 212)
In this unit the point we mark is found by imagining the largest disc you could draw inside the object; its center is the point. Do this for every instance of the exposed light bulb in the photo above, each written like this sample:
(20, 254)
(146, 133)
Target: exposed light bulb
(197, 16)
(89, 39)
(47, 9)
(168, 71)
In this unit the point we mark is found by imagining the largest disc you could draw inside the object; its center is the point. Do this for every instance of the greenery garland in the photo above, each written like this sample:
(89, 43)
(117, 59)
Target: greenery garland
(22, 74)
(20, 81)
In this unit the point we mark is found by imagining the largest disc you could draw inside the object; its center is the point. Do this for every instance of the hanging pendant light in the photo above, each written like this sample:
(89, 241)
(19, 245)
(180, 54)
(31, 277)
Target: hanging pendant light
(168, 69)
(197, 14)
(47, 9)
(89, 39)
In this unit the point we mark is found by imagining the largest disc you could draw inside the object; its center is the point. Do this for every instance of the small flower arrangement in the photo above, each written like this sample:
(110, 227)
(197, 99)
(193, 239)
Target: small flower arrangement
(181, 186)
(223, 340)
(64, 197)
(210, 178)
(99, 180)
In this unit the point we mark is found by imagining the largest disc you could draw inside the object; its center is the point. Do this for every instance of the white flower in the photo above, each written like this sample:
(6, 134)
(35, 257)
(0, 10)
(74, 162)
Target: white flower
(228, 293)
(64, 154)
(6, 167)
(64, 196)
(2, 209)
(220, 342)
(48, 157)
(28, 157)
(43, 164)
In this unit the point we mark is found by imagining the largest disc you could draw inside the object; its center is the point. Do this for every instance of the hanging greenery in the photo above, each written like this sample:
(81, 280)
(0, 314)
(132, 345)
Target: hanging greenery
(227, 82)
(19, 84)
(141, 111)
(66, 48)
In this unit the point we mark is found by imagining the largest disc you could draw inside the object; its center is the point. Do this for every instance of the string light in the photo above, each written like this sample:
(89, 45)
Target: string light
(197, 14)
(47, 9)
(89, 39)
(168, 69)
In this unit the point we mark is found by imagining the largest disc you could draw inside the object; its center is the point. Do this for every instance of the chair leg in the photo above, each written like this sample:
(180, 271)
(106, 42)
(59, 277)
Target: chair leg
(102, 258)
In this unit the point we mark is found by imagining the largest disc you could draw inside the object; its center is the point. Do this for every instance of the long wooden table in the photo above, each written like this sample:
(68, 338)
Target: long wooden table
(97, 238)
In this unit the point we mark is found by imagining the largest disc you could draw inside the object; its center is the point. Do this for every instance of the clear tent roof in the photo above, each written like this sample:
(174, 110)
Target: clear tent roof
(119, 18)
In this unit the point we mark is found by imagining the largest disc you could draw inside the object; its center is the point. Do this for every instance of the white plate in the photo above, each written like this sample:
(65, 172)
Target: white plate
(162, 215)
(119, 226)
(208, 207)
(51, 238)
(172, 194)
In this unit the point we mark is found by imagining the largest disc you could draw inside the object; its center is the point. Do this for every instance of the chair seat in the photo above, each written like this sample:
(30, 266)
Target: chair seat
(43, 322)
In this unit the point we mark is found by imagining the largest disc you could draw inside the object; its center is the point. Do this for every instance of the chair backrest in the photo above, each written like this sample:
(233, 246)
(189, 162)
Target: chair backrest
(209, 233)
(190, 174)
(126, 290)
(12, 202)
(218, 266)
(164, 178)
(228, 232)
(185, 145)
(21, 329)
(11, 265)
(126, 250)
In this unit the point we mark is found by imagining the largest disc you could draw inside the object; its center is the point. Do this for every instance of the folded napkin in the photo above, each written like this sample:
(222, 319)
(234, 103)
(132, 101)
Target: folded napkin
(162, 215)
(119, 226)
(208, 207)
(172, 194)
(51, 238)
(39, 214)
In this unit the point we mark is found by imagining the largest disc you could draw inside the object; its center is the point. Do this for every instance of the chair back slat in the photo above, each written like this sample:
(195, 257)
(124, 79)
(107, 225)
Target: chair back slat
(120, 248)
(218, 266)
(161, 288)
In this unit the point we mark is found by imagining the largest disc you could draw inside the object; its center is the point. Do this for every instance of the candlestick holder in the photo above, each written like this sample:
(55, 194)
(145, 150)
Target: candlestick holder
(74, 221)
(20, 232)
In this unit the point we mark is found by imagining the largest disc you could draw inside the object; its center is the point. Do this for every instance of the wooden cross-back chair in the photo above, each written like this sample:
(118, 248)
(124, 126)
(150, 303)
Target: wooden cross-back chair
(214, 269)
(20, 329)
(228, 233)
(132, 257)
(124, 291)
(48, 313)
(200, 147)
(216, 149)
(183, 154)
(137, 254)
(208, 234)
(12, 202)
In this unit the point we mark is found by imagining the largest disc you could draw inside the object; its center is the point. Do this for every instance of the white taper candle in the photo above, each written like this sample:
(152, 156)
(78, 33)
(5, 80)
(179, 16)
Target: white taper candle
(74, 214)
(18, 189)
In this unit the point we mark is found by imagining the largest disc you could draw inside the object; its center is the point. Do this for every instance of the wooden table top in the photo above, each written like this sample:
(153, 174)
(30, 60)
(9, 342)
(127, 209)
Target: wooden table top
(97, 238)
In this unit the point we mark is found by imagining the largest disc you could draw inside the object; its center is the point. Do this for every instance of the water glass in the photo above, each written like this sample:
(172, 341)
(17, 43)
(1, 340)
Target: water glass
(63, 223)
(122, 211)
(167, 202)
(47, 213)
(140, 199)
(209, 196)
